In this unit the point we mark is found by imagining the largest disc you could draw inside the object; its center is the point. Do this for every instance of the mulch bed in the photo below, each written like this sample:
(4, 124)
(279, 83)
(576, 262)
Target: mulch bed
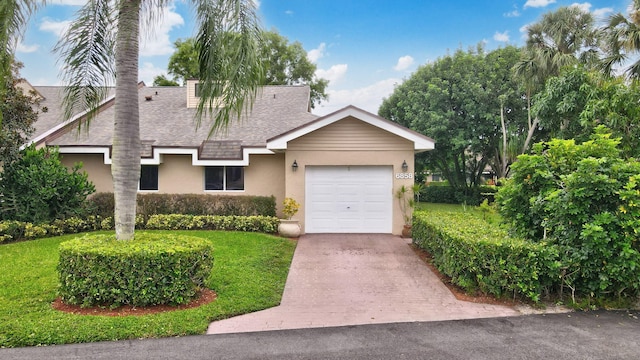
(206, 296)
(458, 292)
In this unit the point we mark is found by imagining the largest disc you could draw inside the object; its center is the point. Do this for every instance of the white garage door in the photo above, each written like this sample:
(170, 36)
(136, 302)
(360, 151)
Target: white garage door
(348, 199)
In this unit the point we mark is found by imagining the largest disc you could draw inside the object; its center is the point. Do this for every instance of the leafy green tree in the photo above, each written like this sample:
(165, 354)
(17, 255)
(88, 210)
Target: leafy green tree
(38, 188)
(18, 116)
(101, 45)
(162, 80)
(584, 198)
(14, 15)
(574, 103)
(458, 100)
(284, 64)
(561, 38)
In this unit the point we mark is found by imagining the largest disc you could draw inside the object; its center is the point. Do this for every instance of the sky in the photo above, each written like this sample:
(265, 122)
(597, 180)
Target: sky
(363, 47)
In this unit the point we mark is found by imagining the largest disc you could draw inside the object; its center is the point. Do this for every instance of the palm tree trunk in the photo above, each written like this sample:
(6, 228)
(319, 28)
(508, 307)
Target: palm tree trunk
(125, 168)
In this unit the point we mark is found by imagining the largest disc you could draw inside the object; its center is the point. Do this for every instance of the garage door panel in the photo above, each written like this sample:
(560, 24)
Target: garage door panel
(343, 199)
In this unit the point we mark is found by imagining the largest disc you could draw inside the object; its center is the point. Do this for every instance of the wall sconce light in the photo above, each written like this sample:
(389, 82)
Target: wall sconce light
(294, 166)
(405, 167)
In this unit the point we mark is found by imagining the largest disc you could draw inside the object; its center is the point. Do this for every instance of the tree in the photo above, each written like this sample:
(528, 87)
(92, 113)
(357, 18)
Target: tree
(18, 116)
(284, 64)
(458, 100)
(102, 44)
(561, 38)
(162, 80)
(14, 15)
(622, 35)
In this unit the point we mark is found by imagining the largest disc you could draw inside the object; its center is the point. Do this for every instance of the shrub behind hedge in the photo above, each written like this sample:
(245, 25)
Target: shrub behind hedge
(481, 257)
(450, 195)
(190, 204)
(152, 269)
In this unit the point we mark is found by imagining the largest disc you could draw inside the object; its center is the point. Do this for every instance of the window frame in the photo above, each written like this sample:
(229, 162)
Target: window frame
(225, 176)
(157, 178)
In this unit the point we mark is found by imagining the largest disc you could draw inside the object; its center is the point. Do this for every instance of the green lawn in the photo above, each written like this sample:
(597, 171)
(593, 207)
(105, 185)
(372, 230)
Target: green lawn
(490, 215)
(249, 274)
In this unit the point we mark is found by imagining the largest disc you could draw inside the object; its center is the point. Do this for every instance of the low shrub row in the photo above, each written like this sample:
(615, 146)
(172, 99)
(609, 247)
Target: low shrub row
(102, 204)
(17, 230)
(450, 195)
(484, 258)
(153, 269)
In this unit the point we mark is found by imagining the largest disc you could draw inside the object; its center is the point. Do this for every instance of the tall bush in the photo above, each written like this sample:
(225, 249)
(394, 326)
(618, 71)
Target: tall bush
(586, 199)
(38, 188)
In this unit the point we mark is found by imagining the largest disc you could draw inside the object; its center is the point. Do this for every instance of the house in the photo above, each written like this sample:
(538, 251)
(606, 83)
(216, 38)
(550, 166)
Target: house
(343, 168)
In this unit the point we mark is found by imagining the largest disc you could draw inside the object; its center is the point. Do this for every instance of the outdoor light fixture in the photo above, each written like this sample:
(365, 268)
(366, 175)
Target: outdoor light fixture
(294, 166)
(405, 167)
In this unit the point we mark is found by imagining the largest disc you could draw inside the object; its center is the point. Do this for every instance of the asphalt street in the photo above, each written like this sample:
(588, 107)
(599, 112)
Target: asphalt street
(578, 335)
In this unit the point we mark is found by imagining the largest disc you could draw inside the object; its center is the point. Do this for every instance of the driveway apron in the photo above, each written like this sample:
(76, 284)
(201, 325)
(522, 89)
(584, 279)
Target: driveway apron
(356, 279)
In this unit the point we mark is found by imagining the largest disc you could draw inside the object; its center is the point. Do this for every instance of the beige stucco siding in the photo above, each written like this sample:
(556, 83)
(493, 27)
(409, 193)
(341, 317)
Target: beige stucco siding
(93, 164)
(348, 142)
(176, 175)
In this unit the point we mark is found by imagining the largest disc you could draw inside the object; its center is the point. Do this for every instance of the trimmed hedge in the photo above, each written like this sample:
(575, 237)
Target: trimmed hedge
(102, 204)
(16, 230)
(479, 257)
(152, 269)
(450, 195)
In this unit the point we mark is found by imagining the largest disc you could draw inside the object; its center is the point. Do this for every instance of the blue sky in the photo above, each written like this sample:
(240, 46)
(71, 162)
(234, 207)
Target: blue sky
(364, 47)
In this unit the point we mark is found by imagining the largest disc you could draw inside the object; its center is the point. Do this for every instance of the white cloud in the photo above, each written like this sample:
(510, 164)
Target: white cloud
(289, 12)
(514, 13)
(148, 71)
(158, 41)
(501, 37)
(367, 98)
(317, 53)
(538, 3)
(585, 7)
(22, 48)
(55, 27)
(403, 63)
(602, 13)
(334, 74)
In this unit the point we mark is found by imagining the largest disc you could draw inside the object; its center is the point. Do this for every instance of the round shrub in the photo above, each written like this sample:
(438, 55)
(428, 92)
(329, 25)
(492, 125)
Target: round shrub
(152, 269)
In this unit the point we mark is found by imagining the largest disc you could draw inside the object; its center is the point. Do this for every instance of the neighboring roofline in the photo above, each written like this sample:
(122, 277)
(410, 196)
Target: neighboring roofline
(421, 142)
(159, 151)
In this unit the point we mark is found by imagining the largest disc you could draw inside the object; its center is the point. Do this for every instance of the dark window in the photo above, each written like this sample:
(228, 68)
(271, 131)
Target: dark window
(149, 177)
(435, 177)
(197, 89)
(224, 178)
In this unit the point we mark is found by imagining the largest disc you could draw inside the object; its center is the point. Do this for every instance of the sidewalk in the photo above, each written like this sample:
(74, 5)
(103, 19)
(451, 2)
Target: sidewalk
(338, 280)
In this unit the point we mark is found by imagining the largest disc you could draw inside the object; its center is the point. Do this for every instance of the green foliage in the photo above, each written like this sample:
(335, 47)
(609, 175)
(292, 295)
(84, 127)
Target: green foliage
(17, 118)
(457, 101)
(38, 188)
(480, 257)
(162, 80)
(192, 204)
(436, 193)
(284, 64)
(290, 207)
(249, 274)
(149, 270)
(583, 198)
(264, 224)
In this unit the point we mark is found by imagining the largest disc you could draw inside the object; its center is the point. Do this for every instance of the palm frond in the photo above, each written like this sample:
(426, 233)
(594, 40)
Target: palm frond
(87, 52)
(230, 64)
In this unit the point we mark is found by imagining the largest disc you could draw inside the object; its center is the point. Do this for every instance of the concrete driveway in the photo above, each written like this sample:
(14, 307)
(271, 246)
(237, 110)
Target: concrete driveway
(357, 279)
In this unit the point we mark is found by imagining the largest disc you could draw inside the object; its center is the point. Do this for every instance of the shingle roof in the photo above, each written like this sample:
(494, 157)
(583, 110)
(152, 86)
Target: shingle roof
(165, 121)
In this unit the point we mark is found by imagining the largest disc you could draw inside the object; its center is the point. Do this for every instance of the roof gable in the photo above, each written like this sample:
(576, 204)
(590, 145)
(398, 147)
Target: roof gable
(421, 142)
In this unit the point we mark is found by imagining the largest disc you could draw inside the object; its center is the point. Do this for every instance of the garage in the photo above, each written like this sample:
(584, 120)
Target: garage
(348, 199)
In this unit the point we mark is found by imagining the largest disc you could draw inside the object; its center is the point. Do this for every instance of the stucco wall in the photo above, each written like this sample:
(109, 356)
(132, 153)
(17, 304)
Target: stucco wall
(264, 176)
(93, 164)
(348, 142)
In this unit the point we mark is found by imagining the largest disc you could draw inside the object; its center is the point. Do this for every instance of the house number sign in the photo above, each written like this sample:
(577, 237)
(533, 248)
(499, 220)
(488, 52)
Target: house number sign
(406, 175)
